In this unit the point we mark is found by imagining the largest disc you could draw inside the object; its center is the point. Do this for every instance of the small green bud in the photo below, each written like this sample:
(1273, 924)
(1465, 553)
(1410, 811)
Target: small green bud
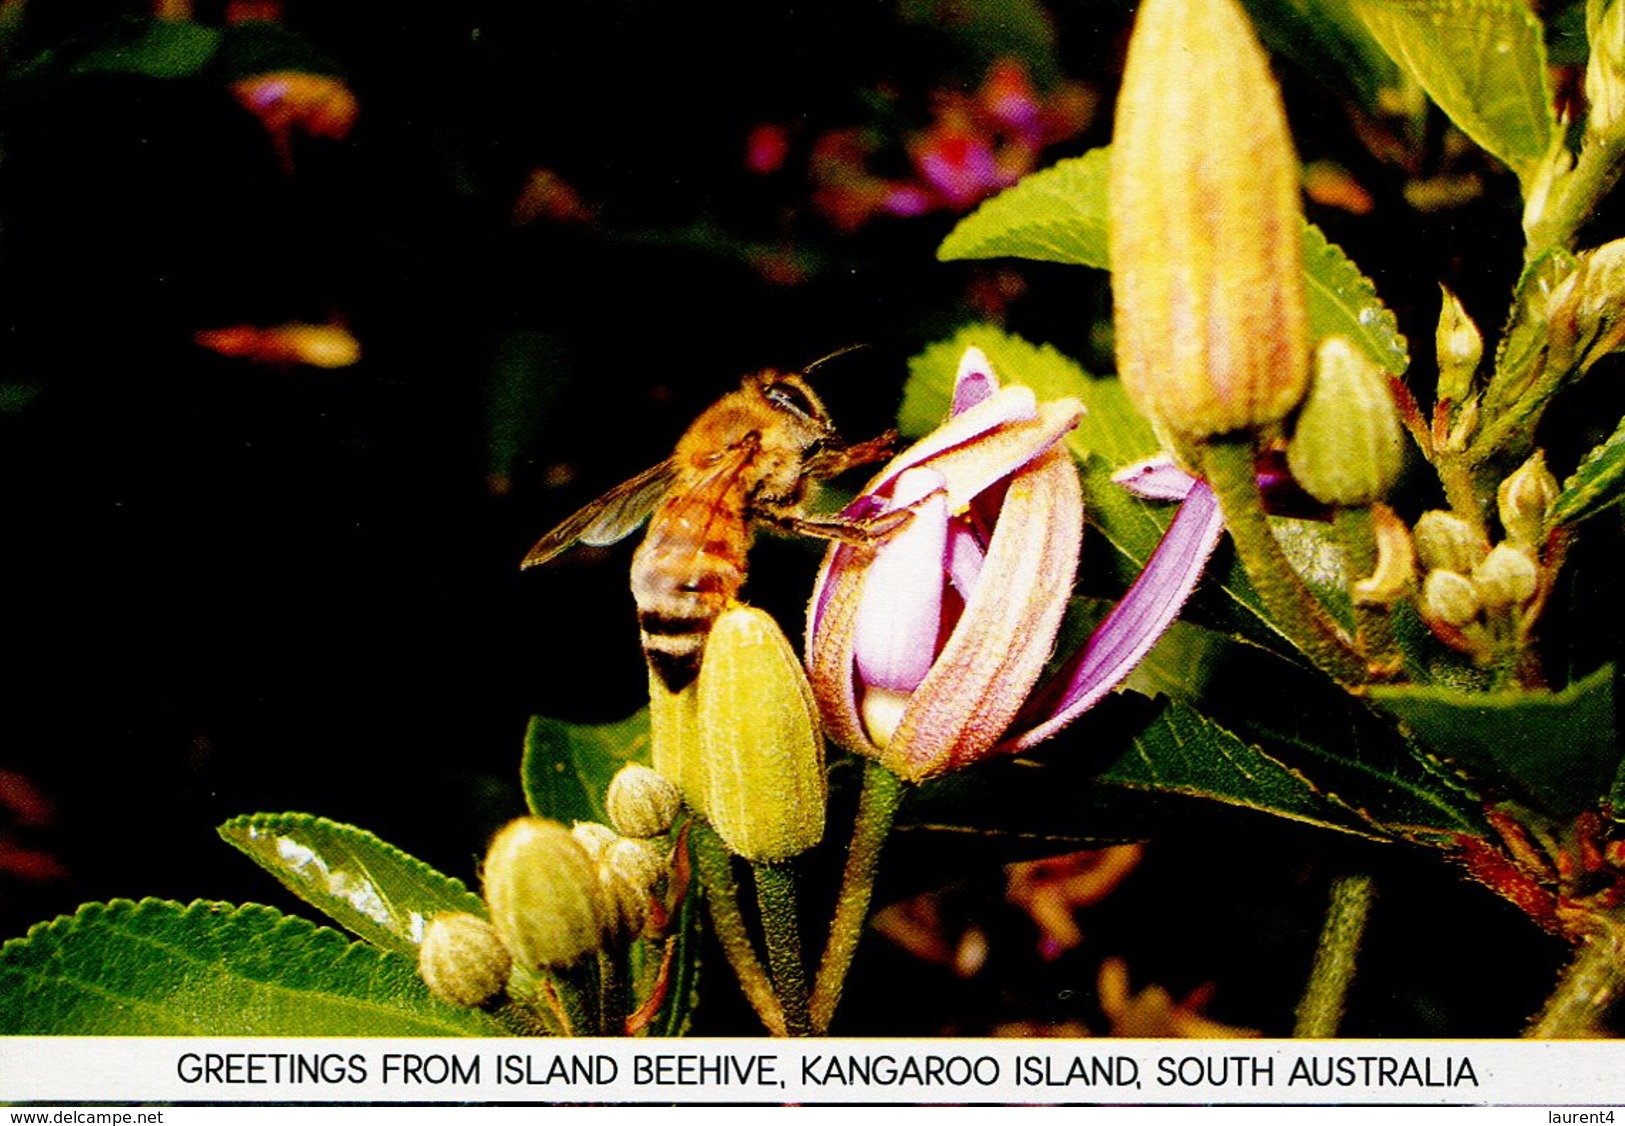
(641, 803)
(1450, 598)
(544, 892)
(1446, 542)
(1523, 500)
(1459, 347)
(462, 959)
(1506, 577)
(760, 739)
(1348, 446)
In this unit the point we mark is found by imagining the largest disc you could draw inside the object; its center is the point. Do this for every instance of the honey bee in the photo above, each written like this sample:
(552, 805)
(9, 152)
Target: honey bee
(754, 457)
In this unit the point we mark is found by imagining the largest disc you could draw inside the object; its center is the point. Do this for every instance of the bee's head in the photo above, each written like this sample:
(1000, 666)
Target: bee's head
(799, 409)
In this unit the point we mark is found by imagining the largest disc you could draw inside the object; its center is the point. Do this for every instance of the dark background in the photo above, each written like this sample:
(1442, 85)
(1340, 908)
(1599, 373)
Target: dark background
(235, 586)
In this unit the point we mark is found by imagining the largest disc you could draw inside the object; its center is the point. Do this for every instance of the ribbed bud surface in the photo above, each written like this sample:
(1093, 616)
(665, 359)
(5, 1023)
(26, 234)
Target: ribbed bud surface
(1206, 252)
(761, 743)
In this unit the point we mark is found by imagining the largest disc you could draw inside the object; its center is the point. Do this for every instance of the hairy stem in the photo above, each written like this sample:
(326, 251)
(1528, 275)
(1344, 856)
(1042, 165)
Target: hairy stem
(1227, 462)
(776, 895)
(1321, 1010)
(715, 867)
(877, 808)
(1585, 992)
(1575, 196)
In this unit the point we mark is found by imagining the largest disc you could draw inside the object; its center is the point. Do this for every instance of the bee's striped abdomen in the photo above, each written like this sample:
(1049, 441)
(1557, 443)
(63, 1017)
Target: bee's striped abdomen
(688, 569)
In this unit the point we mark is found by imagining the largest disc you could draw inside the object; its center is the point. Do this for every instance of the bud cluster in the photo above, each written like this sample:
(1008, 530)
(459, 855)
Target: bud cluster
(1476, 596)
(557, 894)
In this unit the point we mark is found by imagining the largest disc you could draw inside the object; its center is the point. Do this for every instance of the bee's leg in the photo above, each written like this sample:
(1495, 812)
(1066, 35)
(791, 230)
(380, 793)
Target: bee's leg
(865, 531)
(833, 460)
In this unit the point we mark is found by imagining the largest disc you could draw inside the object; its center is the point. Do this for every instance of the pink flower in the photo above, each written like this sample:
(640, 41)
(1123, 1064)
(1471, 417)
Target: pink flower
(926, 652)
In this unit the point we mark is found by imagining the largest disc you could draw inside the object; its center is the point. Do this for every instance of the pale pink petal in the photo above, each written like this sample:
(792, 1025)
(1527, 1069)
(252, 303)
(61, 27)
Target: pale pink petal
(900, 612)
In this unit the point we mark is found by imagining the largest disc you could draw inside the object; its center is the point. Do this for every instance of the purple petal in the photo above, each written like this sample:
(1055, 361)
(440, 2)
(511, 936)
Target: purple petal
(1155, 478)
(975, 381)
(1136, 623)
(900, 612)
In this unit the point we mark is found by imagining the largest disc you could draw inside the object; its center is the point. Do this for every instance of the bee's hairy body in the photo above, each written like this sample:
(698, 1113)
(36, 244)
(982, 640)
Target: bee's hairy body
(752, 457)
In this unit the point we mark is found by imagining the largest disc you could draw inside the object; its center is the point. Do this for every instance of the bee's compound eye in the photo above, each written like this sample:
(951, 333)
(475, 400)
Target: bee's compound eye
(792, 399)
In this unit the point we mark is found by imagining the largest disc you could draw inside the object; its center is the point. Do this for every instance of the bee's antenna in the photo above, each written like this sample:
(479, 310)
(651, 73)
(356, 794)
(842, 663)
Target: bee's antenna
(835, 355)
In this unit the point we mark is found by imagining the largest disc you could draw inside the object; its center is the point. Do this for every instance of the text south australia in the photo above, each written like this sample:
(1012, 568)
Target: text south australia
(813, 1070)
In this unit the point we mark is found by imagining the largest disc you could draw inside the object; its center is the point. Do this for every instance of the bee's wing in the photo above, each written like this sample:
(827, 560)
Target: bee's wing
(610, 518)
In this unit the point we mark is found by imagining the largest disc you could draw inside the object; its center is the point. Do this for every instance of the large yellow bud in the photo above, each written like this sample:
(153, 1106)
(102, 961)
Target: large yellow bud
(1206, 227)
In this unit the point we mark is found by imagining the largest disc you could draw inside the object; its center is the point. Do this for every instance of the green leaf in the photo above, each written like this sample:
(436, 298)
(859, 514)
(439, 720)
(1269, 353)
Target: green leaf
(1182, 752)
(1341, 301)
(1327, 40)
(1034, 805)
(1060, 215)
(152, 48)
(1558, 748)
(157, 968)
(1110, 426)
(1598, 483)
(1483, 62)
(1056, 215)
(567, 766)
(371, 888)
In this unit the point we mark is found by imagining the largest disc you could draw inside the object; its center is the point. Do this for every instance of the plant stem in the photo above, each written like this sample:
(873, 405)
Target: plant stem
(1576, 194)
(714, 864)
(1321, 1010)
(877, 808)
(1590, 985)
(1227, 462)
(776, 895)
(612, 992)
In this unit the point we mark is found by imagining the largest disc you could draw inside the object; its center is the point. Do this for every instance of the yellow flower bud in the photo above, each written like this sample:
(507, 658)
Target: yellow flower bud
(1348, 446)
(1444, 541)
(674, 739)
(462, 959)
(641, 803)
(1206, 226)
(1459, 346)
(1523, 500)
(545, 896)
(760, 740)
